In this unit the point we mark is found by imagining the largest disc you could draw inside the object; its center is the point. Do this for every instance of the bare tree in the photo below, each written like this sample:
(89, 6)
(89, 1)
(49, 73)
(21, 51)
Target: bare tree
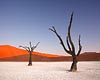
(30, 49)
(70, 44)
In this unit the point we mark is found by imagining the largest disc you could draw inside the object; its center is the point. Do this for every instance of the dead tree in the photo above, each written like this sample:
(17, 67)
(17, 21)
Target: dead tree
(30, 49)
(70, 44)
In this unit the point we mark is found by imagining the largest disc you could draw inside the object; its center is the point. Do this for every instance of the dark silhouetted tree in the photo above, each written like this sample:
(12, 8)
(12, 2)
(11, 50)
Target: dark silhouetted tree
(70, 44)
(30, 49)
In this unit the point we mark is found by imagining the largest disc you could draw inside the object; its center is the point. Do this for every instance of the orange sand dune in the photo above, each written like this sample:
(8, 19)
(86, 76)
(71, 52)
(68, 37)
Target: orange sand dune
(9, 51)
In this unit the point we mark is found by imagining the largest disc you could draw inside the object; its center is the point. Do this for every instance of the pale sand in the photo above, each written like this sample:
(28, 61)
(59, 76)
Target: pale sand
(49, 71)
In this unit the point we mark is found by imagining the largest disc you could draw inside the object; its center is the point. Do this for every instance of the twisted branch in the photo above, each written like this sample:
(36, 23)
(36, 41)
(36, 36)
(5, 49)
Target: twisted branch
(35, 46)
(26, 48)
(61, 41)
(80, 47)
(69, 35)
(69, 41)
(30, 48)
(68, 44)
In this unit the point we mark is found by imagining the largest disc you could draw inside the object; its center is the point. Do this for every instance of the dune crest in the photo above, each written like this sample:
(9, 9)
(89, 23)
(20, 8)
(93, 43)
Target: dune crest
(9, 51)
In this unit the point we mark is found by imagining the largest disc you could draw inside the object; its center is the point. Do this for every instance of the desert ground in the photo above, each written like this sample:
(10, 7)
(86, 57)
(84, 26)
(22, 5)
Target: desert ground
(49, 71)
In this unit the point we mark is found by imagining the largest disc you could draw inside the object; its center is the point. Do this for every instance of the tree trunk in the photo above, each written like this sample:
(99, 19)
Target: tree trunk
(30, 59)
(74, 64)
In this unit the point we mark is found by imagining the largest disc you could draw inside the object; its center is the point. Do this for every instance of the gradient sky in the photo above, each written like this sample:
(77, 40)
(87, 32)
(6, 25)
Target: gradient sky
(22, 21)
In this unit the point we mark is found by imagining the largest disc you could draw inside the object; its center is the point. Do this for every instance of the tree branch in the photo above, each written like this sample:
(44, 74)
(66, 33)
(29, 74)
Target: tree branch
(80, 47)
(35, 46)
(68, 44)
(26, 48)
(53, 29)
(61, 41)
(69, 35)
(30, 44)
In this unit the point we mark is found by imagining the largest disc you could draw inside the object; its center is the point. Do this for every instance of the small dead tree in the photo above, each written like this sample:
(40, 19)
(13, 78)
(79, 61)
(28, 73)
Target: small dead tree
(70, 44)
(30, 49)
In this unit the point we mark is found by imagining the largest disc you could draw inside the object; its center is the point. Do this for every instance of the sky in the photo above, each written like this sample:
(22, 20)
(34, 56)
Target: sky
(22, 21)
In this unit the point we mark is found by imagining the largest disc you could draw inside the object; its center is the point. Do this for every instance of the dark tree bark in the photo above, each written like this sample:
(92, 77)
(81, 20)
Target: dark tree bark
(70, 44)
(30, 49)
(30, 59)
(74, 64)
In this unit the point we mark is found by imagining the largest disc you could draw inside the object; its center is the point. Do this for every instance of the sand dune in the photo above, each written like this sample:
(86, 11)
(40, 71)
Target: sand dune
(10, 53)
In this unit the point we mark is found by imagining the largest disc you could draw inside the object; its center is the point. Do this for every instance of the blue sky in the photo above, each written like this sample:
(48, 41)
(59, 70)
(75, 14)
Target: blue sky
(22, 21)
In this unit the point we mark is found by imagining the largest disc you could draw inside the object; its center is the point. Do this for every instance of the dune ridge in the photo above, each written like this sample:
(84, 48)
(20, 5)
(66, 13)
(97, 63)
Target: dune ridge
(11, 53)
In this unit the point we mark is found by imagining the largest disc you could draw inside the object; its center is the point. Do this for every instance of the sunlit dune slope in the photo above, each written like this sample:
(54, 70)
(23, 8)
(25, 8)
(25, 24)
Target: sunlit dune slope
(9, 51)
